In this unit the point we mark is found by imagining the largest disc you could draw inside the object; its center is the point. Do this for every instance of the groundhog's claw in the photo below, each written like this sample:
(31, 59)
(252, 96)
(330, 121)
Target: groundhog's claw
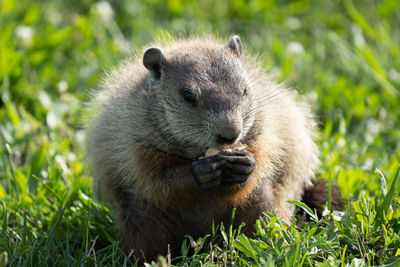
(226, 168)
(239, 166)
(207, 171)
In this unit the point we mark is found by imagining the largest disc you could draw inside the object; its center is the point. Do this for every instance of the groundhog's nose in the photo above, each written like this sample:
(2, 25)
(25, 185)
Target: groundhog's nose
(228, 135)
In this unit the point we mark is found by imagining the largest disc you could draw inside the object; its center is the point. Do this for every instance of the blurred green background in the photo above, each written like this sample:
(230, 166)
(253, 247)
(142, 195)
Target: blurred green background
(342, 56)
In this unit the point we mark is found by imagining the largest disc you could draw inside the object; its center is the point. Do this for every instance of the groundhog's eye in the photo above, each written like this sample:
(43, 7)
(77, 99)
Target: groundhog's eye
(245, 91)
(188, 96)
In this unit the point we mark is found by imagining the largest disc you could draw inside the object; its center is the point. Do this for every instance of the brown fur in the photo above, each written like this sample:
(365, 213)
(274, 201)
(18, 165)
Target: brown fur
(316, 196)
(144, 138)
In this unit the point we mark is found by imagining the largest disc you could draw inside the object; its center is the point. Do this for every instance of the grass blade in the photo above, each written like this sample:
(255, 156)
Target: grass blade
(383, 208)
(312, 214)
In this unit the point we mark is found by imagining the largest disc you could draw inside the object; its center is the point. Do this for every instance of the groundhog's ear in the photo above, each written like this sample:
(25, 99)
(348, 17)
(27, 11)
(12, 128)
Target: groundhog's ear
(152, 60)
(235, 45)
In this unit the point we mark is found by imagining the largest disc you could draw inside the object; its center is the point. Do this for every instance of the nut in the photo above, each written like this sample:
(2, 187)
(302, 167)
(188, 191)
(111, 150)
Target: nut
(212, 151)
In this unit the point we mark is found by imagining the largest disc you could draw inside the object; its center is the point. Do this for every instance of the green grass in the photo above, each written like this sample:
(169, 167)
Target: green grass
(342, 56)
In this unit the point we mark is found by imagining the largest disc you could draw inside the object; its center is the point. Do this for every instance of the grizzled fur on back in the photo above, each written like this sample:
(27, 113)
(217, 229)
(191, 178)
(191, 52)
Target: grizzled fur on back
(146, 134)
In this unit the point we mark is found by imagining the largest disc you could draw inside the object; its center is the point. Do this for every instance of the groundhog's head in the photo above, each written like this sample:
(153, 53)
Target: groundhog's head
(201, 94)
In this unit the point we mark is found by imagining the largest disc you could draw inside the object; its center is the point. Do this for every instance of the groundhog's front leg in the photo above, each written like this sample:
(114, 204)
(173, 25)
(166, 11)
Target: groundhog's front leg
(223, 168)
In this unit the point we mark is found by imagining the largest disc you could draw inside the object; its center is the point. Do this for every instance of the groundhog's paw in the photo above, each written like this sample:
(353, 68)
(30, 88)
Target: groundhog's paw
(239, 166)
(207, 171)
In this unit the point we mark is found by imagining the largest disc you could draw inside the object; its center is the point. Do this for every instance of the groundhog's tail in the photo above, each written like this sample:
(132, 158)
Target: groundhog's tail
(316, 196)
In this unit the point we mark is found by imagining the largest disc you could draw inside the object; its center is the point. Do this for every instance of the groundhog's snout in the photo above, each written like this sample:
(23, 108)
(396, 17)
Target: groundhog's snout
(229, 134)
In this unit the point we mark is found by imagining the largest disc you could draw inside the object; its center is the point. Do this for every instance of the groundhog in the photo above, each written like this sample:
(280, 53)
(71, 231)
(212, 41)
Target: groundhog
(159, 114)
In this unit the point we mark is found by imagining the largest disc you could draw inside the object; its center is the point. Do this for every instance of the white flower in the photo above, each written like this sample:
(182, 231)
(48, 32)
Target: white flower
(62, 86)
(295, 48)
(52, 119)
(293, 23)
(45, 99)
(24, 35)
(104, 10)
